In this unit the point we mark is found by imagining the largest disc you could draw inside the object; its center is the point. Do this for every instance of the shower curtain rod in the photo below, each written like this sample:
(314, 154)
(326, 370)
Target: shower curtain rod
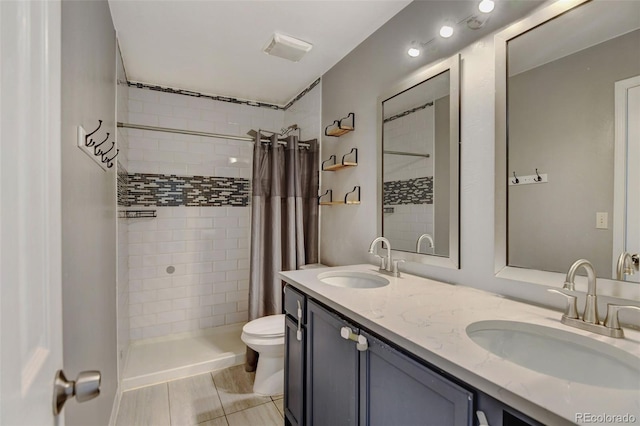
(410, 154)
(205, 134)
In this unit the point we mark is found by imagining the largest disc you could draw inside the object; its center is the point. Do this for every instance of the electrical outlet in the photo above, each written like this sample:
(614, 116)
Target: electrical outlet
(602, 220)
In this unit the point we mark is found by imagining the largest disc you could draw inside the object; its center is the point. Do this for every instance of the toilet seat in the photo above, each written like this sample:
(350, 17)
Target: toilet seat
(269, 326)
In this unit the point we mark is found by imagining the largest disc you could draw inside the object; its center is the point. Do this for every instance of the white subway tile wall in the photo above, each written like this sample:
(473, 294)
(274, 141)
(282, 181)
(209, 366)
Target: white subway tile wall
(208, 247)
(210, 270)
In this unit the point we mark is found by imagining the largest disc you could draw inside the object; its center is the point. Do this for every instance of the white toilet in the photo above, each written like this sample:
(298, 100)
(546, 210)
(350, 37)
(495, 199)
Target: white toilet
(266, 336)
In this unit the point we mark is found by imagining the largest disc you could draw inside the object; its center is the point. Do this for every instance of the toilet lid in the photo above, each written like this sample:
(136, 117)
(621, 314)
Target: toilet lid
(272, 325)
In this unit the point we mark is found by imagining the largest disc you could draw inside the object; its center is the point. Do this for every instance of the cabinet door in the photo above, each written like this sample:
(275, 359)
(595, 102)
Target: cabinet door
(396, 390)
(294, 373)
(332, 370)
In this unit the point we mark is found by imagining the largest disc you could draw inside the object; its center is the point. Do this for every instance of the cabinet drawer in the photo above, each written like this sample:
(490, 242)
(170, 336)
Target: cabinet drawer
(292, 299)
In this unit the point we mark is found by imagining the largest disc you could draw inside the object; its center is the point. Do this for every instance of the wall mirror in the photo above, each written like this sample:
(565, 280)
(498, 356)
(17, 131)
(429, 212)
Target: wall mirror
(568, 138)
(418, 127)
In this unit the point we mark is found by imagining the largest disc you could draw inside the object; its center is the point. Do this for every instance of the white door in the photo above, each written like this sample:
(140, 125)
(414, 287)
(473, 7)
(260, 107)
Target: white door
(626, 227)
(30, 288)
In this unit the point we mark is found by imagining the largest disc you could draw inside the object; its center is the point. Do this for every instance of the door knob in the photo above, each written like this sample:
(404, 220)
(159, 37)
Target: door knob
(85, 387)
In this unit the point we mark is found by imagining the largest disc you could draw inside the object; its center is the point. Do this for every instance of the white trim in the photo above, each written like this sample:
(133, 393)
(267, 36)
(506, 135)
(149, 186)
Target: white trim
(620, 168)
(453, 66)
(612, 288)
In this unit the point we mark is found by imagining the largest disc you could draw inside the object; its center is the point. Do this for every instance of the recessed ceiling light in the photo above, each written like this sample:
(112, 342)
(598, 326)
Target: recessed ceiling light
(486, 6)
(287, 47)
(413, 52)
(446, 31)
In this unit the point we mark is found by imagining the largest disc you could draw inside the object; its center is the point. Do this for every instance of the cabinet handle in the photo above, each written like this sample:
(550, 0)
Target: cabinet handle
(482, 419)
(299, 331)
(361, 342)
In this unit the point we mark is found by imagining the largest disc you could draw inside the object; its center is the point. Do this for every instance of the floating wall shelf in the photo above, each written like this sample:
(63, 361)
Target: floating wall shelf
(339, 128)
(344, 201)
(343, 164)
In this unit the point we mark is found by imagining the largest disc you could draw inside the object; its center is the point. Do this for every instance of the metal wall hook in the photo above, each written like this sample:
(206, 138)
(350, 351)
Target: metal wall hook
(113, 145)
(96, 151)
(516, 178)
(109, 161)
(538, 178)
(99, 125)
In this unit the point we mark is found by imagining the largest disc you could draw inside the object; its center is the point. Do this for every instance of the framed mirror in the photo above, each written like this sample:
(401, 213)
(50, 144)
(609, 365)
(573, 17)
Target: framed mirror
(418, 148)
(568, 139)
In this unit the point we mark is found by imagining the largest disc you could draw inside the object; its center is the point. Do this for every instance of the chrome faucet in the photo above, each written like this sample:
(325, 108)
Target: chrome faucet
(590, 320)
(626, 265)
(424, 237)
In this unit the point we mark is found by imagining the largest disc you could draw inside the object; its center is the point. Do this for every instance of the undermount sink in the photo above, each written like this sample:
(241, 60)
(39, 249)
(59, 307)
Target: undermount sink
(352, 279)
(558, 353)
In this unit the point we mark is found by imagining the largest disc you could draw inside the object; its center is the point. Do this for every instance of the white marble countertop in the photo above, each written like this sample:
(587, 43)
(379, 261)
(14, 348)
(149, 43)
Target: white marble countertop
(429, 318)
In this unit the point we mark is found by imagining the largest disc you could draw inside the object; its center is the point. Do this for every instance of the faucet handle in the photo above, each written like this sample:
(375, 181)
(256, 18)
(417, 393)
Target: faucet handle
(611, 320)
(383, 263)
(572, 308)
(396, 272)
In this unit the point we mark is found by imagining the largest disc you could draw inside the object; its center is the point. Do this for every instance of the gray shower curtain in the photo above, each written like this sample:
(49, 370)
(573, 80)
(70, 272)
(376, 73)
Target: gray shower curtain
(284, 221)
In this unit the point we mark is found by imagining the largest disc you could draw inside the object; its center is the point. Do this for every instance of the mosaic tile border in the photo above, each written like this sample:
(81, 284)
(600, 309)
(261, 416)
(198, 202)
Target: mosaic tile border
(410, 191)
(193, 191)
(223, 98)
(122, 185)
(407, 112)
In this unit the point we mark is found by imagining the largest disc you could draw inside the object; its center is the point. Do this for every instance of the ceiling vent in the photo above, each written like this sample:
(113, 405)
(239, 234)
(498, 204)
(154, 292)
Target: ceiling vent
(287, 47)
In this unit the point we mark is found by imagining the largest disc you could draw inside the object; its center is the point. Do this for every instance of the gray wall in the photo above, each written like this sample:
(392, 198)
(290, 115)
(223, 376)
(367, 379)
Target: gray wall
(553, 224)
(88, 206)
(370, 70)
(442, 179)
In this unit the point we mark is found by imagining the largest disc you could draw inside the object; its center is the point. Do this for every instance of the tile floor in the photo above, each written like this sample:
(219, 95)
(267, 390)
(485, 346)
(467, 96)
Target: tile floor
(222, 398)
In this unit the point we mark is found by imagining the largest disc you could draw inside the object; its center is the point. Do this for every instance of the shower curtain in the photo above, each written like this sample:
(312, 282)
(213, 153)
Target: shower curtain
(284, 221)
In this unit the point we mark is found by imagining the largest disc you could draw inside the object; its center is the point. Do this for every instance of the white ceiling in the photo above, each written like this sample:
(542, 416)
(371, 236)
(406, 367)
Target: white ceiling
(215, 47)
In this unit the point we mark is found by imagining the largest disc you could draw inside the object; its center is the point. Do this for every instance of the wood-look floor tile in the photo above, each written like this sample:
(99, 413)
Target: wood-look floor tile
(275, 397)
(263, 415)
(235, 387)
(147, 406)
(220, 421)
(279, 403)
(193, 400)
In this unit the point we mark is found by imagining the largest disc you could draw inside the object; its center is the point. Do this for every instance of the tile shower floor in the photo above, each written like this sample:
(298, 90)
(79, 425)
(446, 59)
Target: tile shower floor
(222, 398)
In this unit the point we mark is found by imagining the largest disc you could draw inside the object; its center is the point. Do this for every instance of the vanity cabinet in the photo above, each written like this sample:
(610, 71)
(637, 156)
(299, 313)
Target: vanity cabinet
(332, 379)
(294, 356)
(332, 370)
(397, 390)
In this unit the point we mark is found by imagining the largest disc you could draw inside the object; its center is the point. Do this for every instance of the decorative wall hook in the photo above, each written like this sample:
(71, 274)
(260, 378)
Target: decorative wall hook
(98, 128)
(90, 147)
(537, 178)
(516, 178)
(109, 161)
(96, 151)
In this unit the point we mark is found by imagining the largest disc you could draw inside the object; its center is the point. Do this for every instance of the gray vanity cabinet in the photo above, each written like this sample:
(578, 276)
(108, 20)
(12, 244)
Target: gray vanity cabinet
(397, 390)
(294, 357)
(332, 370)
(331, 380)
(294, 373)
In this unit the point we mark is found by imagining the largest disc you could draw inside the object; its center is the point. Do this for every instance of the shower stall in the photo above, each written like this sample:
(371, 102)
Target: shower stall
(183, 193)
